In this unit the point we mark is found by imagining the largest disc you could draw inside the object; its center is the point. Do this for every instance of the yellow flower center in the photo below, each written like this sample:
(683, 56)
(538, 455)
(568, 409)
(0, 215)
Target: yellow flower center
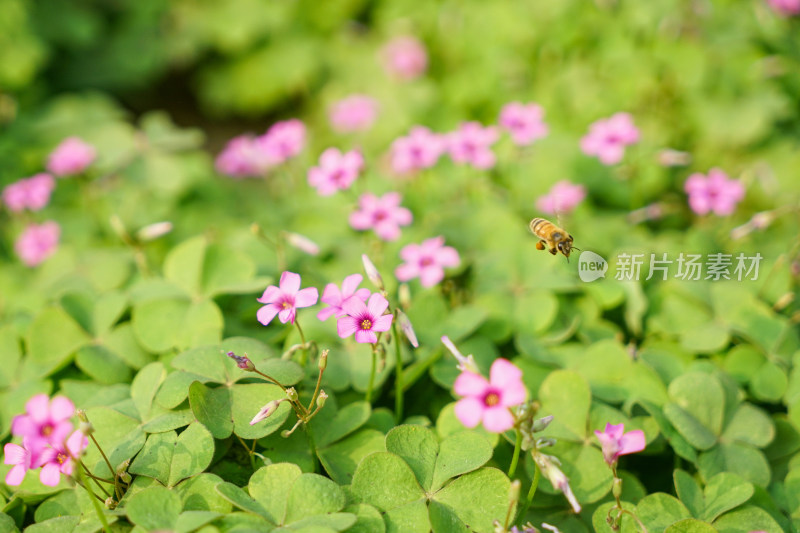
(366, 324)
(491, 399)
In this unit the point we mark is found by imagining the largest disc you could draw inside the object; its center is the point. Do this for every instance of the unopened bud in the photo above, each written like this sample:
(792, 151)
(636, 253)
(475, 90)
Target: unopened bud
(784, 301)
(242, 361)
(321, 398)
(548, 465)
(542, 423)
(372, 273)
(616, 488)
(152, 232)
(322, 363)
(404, 295)
(81, 414)
(673, 158)
(545, 442)
(549, 527)
(513, 490)
(266, 411)
(465, 364)
(110, 503)
(291, 393)
(407, 328)
(86, 428)
(125, 477)
(302, 243)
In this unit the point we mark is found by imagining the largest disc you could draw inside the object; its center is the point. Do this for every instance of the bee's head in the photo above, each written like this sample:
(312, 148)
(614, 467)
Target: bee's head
(565, 247)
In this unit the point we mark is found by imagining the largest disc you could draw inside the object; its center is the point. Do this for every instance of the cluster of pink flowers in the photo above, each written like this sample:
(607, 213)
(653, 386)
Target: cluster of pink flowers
(336, 171)
(608, 138)
(562, 198)
(354, 113)
(405, 58)
(382, 214)
(713, 193)
(248, 156)
(48, 441)
(72, 156)
(38, 242)
(32, 193)
(785, 7)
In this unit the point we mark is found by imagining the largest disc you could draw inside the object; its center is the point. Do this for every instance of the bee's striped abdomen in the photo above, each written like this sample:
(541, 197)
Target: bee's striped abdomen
(540, 227)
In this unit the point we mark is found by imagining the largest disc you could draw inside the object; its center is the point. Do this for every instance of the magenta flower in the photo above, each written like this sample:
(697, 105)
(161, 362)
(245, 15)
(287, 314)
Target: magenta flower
(364, 320)
(336, 171)
(383, 214)
(426, 261)
(785, 7)
(283, 141)
(336, 298)
(615, 443)
(608, 138)
(32, 193)
(45, 422)
(471, 143)
(354, 113)
(562, 198)
(285, 300)
(59, 458)
(244, 157)
(22, 459)
(405, 58)
(715, 193)
(488, 401)
(524, 122)
(37, 242)
(421, 148)
(70, 157)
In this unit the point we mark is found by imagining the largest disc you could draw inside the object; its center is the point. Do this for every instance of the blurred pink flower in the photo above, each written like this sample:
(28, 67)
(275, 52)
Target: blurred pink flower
(45, 422)
(405, 57)
(285, 300)
(354, 113)
(283, 141)
(608, 138)
(364, 320)
(426, 261)
(714, 193)
(525, 122)
(785, 7)
(336, 171)
(22, 459)
(243, 157)
(32, 193)
(562, 198)
(59, 458)
(72, 156)
(302, 243)
(336, 298)
(421, 148)
(383, 214)
(471, 143)
(488, 401)
(615, 443)
(37, 242)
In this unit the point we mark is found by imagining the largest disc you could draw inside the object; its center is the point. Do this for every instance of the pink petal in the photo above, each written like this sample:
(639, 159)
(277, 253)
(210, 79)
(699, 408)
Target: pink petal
(615, 431)
(346, 326)
(632, 442)
(387, 230)
(503, 373)
(76, 443)
(448, 257)
(377, 305)
(271, 295)
(470, 384)
(362, 294)
(16, 475)
(431, 275)
(350, 284)
(23, 425)
(60, 432)
(403, 216)
(469, 411)
(287, 315)
(14, 454)
(406, 271)
(497, 419)
(366, 336)
(410, 252)
(290, 282)
(61, 408)
(513, 394)
(326, 313)
(330, 158)
(382, 323)
(611, 154)
(306, 297)
(354, 306)
(332, 295)
(267, 313)
(50, 475)
(38, 407)
(360, 220)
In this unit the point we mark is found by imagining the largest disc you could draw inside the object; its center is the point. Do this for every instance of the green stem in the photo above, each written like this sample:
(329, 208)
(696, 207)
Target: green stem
(515, 457)
(312, 445)
(398, 375)
(303, 340)
(368, 396)
(537, 474)
(271, 379)
(249, 452)
(95, 500)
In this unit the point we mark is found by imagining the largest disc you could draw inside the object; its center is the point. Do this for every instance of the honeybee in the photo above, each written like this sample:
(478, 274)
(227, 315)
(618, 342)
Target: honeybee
(552, 236)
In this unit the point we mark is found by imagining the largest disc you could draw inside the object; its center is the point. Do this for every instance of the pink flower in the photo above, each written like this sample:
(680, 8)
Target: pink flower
(405, 57)
(22, 459)
(488, 401)
(471, 143)
(354, 113)
(336, 171)
(785, 7)
(608, 138)
(72, 156)
(283, 141)
(336, 298)
(562, 198)
(421, 148)
(37, 242)
(426, 261)
(245, 157)
(715, 193)
(364, 320)
(383, 214)
(45, 422)
(59, 458)
(32, 193)
(524, 122)
(285, 300)
(614, 443)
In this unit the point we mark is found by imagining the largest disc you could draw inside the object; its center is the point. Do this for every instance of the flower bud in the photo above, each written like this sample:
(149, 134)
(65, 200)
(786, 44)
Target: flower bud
(513, 490)
(372, 273)
(547, 464)
(322, 363)
(266, 411)
(465, 364)
(242, 361)
(302, 243)
(616, 488)
(86, 428)
(407, 328)
(110, 503)
(152, 232)
(542, 423)
(126, 477)
(321, 399)
(404, 295)
(291, 393)
(81, 414)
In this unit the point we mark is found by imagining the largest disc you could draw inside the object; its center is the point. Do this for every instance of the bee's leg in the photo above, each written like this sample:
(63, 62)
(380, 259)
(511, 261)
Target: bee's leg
(540, 245)
(553, 251)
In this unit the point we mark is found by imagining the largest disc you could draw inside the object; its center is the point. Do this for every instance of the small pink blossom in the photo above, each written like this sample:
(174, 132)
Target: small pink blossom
(608, 138)
(22, 459)
(354, 113)
(715, 193)
(32, 193)
(426, 261)
(285, 300)
(59, 458)
(243, 157)
(37, 242)
(405, 57)
(364, 319)
(420, 149)
(335, 298)
(615, 443)
(562, 198)
(471, 143)
(283, 141)
(336, 171)
(525, 122)
(785, 7)
(383, 214)
(45, 422)
(70, 157)
(488, 401)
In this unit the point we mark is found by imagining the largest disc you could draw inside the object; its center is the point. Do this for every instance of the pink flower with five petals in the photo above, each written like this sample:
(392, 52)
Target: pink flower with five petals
(405, 57)
(72, 156)
(489, 401)
(286, 299)
(354, 113)
(383, 214)
(420, 149)
(471, 143)
(336, 171)
(615, 442)
(336, 298)
(715, 193)
(364, 320)
(59, 458)
(427, 261)
(608, 138)
(525, 122)
(45, 422)
(562, 198)
(37, 242)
